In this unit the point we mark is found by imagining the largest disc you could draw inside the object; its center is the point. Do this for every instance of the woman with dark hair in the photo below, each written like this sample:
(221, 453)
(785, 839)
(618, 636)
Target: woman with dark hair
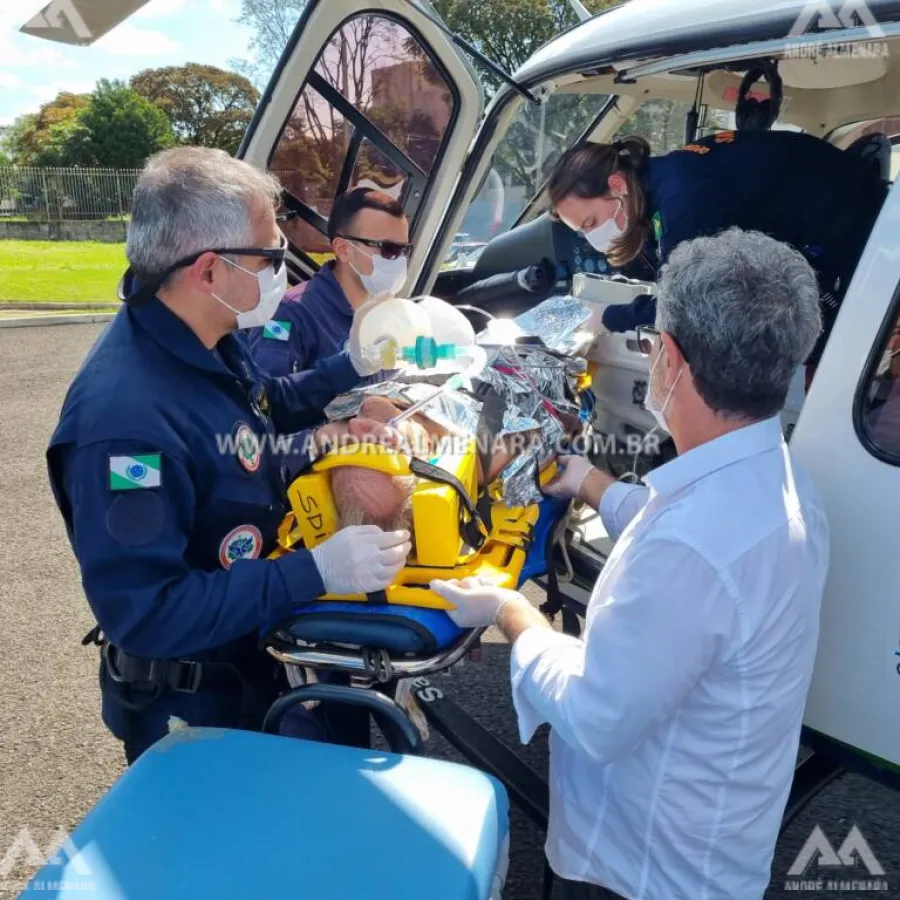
(794, 187)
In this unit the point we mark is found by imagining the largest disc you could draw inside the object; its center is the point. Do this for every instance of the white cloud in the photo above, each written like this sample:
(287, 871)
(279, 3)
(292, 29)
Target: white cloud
(43, 93)
(159, 9)
(9, 81)
(129, 40)
(19, 51)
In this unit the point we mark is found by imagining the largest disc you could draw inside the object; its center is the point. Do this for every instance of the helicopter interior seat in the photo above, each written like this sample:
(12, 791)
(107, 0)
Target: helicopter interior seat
(878, 150)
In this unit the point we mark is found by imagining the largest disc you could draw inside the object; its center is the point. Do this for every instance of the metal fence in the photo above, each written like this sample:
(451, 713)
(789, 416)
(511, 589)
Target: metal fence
(57, 195)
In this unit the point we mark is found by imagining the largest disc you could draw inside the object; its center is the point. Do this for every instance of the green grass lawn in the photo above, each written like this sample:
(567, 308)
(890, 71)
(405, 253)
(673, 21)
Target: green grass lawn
(60, 271)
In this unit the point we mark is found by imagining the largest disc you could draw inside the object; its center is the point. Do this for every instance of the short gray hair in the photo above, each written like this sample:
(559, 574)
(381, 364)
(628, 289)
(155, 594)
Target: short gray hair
(745, 310)
(190, 199)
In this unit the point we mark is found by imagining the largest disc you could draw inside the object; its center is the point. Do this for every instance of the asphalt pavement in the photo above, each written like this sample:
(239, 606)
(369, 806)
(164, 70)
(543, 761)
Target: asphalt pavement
(56, 758)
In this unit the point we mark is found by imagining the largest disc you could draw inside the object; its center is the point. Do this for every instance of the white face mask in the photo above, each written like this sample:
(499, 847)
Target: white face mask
(271, 290)
(387, 275)
(601, 238)
(649, 404)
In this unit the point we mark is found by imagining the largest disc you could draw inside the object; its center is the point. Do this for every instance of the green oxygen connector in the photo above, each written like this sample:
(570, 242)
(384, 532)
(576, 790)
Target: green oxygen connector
(427, 353)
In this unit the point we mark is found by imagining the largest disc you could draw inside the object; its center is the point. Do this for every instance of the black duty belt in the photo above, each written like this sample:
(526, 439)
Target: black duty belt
(182, 675)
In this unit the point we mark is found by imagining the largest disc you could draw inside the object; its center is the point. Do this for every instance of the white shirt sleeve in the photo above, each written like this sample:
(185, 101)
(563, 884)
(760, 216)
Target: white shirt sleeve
(620, 504)
(648, 640)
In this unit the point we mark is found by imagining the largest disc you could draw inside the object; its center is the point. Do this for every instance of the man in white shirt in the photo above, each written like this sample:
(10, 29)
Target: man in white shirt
(676, 718)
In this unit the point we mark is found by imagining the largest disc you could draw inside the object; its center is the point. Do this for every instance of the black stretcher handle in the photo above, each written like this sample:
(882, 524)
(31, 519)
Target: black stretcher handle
(402, 736)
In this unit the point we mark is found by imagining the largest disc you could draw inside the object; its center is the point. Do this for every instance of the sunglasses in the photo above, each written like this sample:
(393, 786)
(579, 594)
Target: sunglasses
(275, 255)
(646, 337)
(388, 249)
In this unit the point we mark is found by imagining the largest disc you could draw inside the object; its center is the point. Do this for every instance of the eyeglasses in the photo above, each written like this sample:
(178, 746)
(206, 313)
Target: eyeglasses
(275, 255)
(388, 249)
(646, 336)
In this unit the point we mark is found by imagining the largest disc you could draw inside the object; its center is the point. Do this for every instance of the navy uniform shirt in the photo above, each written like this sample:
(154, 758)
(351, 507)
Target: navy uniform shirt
(308, 325)
(311, 323)
(794, 187)
(166, 471)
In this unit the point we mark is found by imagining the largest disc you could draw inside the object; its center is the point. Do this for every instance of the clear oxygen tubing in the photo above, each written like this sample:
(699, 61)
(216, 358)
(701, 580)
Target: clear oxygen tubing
(478, 360)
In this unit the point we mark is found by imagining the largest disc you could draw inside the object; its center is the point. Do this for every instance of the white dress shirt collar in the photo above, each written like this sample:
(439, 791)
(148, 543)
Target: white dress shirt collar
(733, 447)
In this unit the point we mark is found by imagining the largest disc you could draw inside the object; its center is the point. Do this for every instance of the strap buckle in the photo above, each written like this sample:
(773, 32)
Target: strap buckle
(183, 675)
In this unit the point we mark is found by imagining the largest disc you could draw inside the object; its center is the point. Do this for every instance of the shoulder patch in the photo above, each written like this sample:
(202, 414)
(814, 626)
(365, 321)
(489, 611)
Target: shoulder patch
(129, 473)
(657, 226)
(277, 331)
(243, 542)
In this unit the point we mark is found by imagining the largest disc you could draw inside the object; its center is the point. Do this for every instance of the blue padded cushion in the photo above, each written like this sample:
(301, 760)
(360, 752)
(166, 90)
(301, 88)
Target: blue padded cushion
(551, 512)
(402, 630)
(235, 815)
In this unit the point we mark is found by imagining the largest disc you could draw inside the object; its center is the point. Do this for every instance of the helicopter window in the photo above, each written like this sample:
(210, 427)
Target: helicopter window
(878, 406)
(521, 163)
(374, 112)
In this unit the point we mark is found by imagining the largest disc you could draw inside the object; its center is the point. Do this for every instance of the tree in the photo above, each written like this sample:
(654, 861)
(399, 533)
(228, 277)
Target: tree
(31, 136)
(272, 22)
(509, 31)
(119, 129)
(206, 106)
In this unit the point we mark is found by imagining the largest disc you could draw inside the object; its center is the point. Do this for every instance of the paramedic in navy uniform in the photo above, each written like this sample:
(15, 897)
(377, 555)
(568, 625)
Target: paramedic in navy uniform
(792, 186)
(675, 720)
(164, 468)
(369, 235)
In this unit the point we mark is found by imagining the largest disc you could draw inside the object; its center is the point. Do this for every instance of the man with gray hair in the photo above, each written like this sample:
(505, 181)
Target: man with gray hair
(166, 468)
(676, 717)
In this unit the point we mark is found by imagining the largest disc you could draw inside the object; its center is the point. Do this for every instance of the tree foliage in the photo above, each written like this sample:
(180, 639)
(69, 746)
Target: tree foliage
(119, 129)
(36, 137)
(113, 126)
(205, 106)
(509, 31)
(272, 23)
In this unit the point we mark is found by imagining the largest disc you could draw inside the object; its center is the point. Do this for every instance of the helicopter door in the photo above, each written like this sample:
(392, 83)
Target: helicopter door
(848, 438)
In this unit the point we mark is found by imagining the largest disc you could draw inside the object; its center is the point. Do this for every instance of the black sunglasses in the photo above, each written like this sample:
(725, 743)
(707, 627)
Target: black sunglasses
(388, 249)
(276, 255)
(647, 334)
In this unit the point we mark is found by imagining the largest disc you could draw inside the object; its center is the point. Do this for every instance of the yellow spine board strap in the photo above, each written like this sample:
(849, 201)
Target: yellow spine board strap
(473, 530)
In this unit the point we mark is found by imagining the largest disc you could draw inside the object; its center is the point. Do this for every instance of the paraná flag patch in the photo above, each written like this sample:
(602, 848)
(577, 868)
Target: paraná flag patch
(277, 331)
(128, 473)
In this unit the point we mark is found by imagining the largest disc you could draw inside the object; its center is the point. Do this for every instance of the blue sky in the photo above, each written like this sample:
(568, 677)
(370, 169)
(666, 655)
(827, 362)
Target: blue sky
(163, 33)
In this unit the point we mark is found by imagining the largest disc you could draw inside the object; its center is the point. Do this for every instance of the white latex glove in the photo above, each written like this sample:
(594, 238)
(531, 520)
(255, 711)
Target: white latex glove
(477, 602)
(361, 559)
(569, 484)
(366, 360)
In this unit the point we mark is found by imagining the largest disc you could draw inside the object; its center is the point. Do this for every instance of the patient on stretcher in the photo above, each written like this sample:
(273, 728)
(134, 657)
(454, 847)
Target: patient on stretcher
(367, 497)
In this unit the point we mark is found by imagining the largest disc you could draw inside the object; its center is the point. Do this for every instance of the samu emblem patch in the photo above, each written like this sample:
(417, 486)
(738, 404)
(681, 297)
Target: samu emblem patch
(247, 449)
(243, 542)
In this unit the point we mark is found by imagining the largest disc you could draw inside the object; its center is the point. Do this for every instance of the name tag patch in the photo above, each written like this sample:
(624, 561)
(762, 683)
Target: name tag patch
(129, 473)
